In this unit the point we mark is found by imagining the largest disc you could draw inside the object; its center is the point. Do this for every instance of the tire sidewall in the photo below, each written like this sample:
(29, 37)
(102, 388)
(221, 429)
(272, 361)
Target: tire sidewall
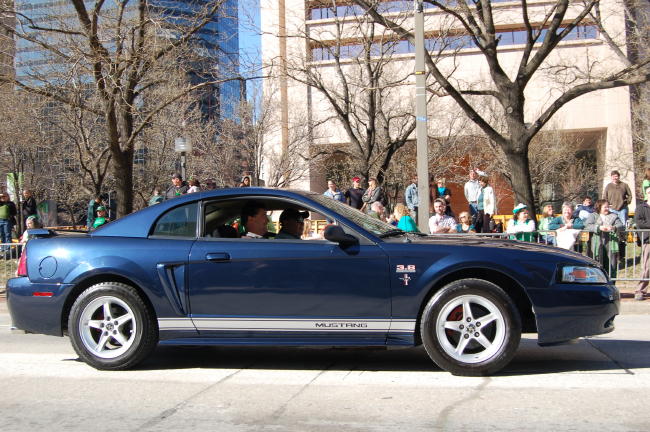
(494, 294)
(136, 352)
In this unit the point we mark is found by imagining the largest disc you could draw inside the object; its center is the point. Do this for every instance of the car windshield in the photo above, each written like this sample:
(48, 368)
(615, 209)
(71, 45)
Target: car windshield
(366, 222)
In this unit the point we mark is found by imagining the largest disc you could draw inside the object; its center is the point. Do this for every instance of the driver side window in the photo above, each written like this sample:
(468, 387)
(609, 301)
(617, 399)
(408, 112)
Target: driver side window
(285, 220)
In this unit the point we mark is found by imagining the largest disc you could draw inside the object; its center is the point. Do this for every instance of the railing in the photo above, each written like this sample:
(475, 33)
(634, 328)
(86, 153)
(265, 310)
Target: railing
(620, 254)
(9, 254)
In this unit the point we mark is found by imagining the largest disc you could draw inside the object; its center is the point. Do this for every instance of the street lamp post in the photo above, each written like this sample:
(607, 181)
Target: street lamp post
(183, 145)
(421, 120)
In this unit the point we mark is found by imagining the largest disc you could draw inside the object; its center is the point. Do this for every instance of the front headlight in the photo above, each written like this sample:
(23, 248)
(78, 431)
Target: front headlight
(581, 274)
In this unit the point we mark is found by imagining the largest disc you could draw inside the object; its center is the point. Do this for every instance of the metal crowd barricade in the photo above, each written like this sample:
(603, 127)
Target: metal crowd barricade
(622, 256)
(9, 255)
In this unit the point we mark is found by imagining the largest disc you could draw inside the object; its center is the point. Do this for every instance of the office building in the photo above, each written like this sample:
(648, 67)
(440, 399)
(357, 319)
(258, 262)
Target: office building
(601, 120)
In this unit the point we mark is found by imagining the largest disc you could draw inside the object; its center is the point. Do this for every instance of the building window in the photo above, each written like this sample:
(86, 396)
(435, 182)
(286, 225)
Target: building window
(446, 43)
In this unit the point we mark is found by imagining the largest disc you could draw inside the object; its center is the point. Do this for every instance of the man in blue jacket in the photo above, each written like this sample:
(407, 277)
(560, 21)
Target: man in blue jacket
(411, 197)
(334, 192)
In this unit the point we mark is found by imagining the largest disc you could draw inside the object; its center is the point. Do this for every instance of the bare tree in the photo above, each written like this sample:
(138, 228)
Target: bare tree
(124, 49)
(83, 150)
(637, 33)
(23, 144)
(243, 145)
(543, 33)
(361, 88)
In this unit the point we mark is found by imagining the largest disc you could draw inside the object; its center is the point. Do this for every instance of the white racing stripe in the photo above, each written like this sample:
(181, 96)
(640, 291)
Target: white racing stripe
(175, 324)
(288, 325)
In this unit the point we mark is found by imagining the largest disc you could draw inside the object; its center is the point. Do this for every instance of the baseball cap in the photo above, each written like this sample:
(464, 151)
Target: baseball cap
(356, 179)
(177, 175)
(101, 208)
(292, 213)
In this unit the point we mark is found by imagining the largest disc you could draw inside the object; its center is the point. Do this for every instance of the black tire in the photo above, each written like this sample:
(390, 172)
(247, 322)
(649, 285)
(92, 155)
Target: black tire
(458, 341)
(111, 328)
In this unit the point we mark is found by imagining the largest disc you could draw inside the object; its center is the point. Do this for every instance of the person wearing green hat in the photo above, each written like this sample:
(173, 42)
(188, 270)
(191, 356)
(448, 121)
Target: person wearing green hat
(101, 218)
(521, 226)
(93, 205)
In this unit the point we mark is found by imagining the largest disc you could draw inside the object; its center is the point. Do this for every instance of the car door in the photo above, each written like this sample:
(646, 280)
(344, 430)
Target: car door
(299, 291)
(168, 249)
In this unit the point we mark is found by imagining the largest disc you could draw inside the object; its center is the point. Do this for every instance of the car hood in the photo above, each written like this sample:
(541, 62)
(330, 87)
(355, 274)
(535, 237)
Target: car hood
(491, 242)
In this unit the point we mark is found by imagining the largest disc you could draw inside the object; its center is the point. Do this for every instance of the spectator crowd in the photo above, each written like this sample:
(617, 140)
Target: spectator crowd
(606, 219)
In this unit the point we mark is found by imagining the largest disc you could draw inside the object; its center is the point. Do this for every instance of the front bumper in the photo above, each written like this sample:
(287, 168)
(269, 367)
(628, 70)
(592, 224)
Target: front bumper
(36, 314)
(569, 311)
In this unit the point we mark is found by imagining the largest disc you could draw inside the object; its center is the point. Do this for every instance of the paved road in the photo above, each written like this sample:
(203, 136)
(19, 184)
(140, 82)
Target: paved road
(600, 384)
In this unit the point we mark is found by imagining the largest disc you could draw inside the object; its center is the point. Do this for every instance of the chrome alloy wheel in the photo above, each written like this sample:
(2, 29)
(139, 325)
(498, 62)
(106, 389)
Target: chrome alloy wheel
(471, 329)
(107, 327)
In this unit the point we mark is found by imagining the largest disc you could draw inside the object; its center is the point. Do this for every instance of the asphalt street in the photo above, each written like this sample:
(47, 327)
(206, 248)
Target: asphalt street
(601, 383)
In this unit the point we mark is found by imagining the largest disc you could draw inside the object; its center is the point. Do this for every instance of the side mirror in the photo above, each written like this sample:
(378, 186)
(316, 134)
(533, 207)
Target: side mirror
(335, 233)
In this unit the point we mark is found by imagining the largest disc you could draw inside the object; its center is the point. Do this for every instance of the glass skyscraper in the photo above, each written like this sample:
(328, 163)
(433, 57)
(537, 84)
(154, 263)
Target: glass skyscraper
(216, 46)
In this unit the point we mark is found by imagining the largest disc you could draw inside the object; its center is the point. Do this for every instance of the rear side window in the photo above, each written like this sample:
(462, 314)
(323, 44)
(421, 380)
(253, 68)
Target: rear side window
(178, 222)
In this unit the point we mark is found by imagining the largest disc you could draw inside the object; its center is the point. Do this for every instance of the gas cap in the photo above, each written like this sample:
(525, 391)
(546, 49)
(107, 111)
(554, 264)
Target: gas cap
(47, 267)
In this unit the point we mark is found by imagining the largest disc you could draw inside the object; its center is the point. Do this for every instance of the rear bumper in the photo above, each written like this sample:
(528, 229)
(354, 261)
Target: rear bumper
(574, 310)
(36, 314)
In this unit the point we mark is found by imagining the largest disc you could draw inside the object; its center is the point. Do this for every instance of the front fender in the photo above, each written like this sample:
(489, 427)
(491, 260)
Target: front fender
(430, 275)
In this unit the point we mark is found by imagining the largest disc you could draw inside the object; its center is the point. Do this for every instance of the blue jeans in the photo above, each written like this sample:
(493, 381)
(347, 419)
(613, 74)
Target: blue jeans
(622, 215)
(474, 215)
(5, 231)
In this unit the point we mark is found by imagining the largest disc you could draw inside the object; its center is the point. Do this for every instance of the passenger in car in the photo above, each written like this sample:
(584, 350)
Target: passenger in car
(225, 231)
(253, 218)
(292, 223)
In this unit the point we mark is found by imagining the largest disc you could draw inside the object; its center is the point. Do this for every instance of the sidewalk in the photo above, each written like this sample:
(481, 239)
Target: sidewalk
(628, 304)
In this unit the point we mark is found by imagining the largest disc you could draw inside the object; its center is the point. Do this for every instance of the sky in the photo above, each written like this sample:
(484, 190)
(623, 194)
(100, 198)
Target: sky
(249, 39)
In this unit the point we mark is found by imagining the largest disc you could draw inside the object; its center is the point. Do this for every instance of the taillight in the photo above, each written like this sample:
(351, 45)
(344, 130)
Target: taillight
(22, 263)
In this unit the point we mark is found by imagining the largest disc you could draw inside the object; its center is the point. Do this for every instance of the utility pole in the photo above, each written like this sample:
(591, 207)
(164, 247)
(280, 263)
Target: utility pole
(422, 154)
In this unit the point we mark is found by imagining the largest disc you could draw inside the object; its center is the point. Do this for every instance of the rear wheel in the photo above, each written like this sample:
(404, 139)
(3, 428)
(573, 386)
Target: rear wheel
(111, 328)
(471, 327)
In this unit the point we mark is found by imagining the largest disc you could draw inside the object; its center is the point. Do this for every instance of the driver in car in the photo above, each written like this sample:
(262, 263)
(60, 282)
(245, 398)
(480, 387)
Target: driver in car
(292, 223)
(253, 217)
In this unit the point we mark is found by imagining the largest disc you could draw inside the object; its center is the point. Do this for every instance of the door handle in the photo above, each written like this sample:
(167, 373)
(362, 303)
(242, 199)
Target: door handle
(217, 256)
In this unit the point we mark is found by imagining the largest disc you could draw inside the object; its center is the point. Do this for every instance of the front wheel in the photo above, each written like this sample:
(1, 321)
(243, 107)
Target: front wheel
(111, 328)
(471, 327)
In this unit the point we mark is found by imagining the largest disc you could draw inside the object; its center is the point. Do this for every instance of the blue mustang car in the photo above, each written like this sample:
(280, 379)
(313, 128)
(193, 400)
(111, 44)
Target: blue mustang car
(178, 273)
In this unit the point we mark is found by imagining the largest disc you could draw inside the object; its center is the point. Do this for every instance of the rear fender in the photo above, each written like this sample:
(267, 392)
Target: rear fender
(107, 268)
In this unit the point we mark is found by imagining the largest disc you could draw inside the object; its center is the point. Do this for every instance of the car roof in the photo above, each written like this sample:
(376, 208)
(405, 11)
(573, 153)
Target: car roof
(138, 224)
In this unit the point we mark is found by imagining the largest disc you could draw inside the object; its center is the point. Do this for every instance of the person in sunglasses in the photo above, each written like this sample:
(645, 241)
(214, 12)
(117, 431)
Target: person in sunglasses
(292, 223)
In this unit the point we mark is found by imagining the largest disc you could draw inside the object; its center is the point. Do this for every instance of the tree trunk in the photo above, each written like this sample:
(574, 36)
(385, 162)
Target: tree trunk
(522, 185)
(123, 172)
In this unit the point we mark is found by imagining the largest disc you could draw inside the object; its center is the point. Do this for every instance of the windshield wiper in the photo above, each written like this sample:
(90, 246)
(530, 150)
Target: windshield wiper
(392, 233)
(417, 233)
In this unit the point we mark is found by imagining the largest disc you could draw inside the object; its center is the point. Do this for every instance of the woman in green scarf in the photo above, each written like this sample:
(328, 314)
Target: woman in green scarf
(606, 227)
